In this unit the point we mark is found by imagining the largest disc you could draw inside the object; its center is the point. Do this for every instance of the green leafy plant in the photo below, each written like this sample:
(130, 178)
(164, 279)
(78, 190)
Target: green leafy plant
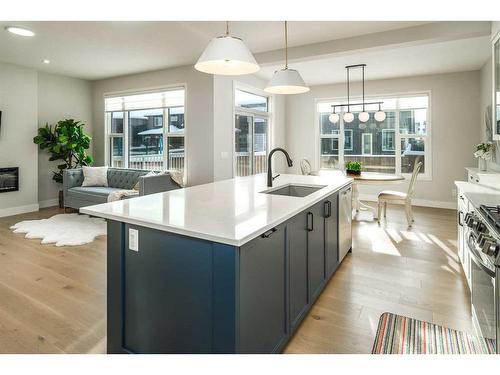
(66, 142)
(353, 166)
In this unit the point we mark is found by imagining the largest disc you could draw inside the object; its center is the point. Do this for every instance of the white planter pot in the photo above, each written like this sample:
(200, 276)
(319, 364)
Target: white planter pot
(482, 164)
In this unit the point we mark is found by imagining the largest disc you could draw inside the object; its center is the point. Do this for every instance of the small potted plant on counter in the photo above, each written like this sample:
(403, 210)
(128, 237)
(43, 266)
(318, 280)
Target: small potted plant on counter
(483, 154)
(353, 168)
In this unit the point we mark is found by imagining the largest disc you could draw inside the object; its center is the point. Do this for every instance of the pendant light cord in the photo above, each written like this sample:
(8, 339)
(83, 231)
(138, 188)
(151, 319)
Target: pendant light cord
(227, 28)
(348, 107)
(286, 45)
(363, 88)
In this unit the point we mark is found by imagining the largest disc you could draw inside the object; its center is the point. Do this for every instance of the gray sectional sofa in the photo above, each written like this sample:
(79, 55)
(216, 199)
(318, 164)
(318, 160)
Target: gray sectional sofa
(76, 195)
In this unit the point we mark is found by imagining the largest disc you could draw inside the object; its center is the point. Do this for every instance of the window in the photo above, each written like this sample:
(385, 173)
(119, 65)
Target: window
(391, 146)
(348, 140)
(140, 126)
(388, 140)
(251, 133)
(366, 143)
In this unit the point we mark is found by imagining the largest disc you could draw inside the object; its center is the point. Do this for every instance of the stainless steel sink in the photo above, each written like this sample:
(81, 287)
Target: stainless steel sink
(294, 190)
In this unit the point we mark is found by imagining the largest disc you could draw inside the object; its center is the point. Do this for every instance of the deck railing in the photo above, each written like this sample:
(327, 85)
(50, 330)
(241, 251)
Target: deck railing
(244, 163)
(151, 162)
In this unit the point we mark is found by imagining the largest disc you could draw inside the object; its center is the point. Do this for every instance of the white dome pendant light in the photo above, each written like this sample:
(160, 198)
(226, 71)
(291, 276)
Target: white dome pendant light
(286, 81)
(334, 117)
(227, 55)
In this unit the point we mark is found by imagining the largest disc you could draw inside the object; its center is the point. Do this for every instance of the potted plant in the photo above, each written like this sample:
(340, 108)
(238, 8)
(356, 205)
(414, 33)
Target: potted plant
(353, 168)
(66, 142)
(483, 154)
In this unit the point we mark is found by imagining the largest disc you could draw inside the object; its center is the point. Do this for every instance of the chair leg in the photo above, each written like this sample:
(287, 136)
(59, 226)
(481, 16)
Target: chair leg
(385, 209)
(379, 210)
(411, 212)
(408, 215)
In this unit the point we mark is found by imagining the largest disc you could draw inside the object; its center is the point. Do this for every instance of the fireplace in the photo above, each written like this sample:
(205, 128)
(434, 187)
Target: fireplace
(9, 179)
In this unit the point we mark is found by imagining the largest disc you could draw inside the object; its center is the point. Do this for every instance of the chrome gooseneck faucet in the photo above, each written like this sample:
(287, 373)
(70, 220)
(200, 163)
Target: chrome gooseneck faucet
(270, 177)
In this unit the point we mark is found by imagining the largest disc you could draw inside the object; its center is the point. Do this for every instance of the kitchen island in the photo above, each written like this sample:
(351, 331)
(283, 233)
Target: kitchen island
(225, 267)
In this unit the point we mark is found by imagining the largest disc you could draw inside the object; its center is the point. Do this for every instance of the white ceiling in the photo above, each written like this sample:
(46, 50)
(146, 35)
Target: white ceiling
(445, 57)
(95, 50)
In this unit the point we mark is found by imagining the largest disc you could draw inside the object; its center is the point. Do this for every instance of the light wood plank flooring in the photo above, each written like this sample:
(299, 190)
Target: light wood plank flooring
(53, 300)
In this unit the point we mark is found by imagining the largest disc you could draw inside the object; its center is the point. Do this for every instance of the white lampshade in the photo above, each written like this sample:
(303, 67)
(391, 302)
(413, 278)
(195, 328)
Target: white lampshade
(348, 117)
(364, 116)
(380, 116)
(227, 55)
(334, 118)
(286, 81)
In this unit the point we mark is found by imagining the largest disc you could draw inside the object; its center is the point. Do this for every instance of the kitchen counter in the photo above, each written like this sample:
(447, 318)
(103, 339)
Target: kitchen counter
(231, 211)
(222, 267)
(479, 194)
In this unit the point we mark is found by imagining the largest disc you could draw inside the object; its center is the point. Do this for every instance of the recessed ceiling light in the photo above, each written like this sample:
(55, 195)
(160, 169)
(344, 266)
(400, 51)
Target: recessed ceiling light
(46, 61)
(19, 31)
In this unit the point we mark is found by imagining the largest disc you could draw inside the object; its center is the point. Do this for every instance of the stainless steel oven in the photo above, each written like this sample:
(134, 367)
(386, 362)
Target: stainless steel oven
(483, 244)
(483, 291)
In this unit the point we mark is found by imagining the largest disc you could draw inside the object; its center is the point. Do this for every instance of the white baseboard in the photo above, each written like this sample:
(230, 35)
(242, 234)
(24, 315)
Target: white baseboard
(18, 210)
(49, 203)
(415, 202)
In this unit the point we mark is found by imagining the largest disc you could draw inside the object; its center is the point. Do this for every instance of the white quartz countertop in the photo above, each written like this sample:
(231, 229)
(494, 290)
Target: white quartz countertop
(480, 194)
(230, 211)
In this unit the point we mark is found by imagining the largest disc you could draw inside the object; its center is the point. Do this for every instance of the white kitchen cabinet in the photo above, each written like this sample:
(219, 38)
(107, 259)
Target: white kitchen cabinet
(463, 253)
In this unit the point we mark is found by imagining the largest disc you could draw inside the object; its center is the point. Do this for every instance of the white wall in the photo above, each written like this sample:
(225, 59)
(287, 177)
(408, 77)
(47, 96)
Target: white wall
(199, 114)
(454, 118)
(224, 123)
(18, 103)
(59, 98)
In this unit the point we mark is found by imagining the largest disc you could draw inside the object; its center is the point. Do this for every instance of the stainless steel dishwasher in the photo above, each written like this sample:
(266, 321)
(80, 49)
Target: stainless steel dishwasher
(345, 221)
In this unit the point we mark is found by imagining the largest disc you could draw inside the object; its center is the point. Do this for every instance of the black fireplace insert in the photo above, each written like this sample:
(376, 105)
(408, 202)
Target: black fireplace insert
(9, 179)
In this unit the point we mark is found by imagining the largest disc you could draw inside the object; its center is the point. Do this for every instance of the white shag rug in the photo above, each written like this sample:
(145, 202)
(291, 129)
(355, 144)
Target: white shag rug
(63, 229)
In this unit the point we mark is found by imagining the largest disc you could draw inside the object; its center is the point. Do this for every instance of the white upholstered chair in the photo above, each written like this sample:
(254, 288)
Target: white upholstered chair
(306, 168)
(396, 197)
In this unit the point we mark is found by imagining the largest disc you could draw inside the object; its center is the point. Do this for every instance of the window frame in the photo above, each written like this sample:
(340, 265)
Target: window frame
(253, 113)
(352, 139)
(166, 125)
(427, 176)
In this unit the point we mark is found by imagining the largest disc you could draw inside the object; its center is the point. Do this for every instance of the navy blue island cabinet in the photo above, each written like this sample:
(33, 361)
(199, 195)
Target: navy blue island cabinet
(179, 294)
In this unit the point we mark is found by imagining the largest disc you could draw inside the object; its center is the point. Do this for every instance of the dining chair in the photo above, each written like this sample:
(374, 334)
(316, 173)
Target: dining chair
(306, 168)
(396, 197)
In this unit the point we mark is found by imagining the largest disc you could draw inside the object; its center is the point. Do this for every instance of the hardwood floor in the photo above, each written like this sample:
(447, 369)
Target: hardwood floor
(53, 300)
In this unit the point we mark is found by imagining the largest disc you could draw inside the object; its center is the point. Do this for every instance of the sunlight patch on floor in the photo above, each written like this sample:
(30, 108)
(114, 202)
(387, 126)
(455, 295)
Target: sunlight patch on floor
(443, 246)
(382, 244)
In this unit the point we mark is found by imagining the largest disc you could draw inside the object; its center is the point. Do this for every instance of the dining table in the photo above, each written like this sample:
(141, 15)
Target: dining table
(370, 178)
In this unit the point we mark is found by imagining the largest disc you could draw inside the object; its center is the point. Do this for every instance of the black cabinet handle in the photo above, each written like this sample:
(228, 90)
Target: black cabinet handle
(460, 222)
(310, 222)
(269, 233)
(327, 206)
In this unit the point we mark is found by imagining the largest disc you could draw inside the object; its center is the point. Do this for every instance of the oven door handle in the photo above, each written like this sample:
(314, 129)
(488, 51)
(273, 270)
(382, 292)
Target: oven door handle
(477, 258)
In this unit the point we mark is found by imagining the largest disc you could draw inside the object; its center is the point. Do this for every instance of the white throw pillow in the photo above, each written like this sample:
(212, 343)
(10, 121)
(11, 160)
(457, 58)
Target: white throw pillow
(95, 176)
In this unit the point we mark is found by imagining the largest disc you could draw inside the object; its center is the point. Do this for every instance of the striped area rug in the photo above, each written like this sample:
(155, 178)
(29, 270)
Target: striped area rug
(398, 334)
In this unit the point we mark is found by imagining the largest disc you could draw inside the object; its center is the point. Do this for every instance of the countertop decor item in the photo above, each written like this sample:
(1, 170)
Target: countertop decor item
(398, 334)
(353, 168)
(65, 142)
(63, 229)
(484, 153)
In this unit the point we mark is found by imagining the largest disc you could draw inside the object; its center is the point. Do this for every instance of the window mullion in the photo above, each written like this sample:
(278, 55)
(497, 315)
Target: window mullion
(126, 154)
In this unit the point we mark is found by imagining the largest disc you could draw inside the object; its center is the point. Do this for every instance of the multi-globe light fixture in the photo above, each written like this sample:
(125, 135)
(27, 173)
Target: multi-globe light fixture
(363, 116)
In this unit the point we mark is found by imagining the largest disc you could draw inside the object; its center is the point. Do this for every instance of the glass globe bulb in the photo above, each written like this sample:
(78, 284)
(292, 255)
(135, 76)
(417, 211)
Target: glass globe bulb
(334, 118)
(380, 116)
(364, 116)
(348, 117)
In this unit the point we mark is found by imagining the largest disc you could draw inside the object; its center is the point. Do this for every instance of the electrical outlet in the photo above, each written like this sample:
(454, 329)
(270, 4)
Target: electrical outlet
(224, 155)
(133, 239)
